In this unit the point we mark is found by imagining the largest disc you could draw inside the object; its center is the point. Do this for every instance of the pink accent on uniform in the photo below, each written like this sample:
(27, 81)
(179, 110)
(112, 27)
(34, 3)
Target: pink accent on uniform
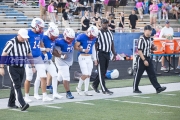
(154, 8)
(139, 5)
(106, 2)
(50, 8)
(42, 3)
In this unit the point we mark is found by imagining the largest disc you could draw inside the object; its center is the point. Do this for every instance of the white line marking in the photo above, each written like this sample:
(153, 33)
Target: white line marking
(18, 110)
(151, 104)
(160, 112)
(111, 100)
(170, 94)
(85, 103)
(53, 107)
(140, 97)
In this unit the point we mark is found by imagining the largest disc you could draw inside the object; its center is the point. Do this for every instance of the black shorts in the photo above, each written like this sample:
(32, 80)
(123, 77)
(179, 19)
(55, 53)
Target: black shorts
(90, 1)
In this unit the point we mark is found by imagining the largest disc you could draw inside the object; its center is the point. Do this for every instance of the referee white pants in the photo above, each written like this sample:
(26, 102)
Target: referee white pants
(86, 66)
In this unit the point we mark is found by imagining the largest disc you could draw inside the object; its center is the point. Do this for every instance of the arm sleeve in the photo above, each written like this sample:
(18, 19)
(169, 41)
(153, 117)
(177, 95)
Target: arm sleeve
(8, 47)
(140, 44)
(94, 53)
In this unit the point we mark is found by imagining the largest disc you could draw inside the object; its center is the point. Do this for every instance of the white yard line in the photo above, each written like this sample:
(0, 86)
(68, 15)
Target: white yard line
(112, 100)
(85, 103)
(160, 105)
(170, 94)
(140, 97)
(18, 110)
(52, 106)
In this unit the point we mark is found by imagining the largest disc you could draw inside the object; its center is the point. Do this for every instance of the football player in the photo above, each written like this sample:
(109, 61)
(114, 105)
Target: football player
(35, 37)
(85, 44)
(63, 52)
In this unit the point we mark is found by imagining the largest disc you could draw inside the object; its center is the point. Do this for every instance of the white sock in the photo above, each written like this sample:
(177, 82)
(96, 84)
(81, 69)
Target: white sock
(26, 94)
(44, 94)
(80, 83)
(54, 85)
(163, 16)
(86, 84)
(166, 16)
(36, 85)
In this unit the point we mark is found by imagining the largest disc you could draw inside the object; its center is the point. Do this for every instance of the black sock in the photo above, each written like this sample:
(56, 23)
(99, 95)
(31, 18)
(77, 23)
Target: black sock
(67, 91)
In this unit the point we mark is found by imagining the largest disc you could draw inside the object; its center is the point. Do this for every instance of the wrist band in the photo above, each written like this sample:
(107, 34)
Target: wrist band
(83, 50)
(62, 56)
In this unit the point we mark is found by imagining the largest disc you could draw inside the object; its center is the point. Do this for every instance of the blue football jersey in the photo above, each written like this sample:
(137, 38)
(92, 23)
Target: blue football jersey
(65, 48)
(48, 43)
(34, 40)
(85, 42)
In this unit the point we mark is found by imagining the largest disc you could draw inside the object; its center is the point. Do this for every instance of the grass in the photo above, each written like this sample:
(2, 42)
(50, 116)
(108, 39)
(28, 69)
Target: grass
(109, 83)
(104, 110)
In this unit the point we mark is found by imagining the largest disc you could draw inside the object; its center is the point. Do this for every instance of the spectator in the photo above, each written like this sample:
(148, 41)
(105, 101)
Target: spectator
(112, 24)
(85, 21)
(160, 4)
(65, 19)
(42, 5)
(15, 2)
(107, 8)
(146, 6)
(139, 6)
(153, 30)
(175, 11)
(158, 31)
(83, 5)
(121, 22)
(132, 21)
(153, 12)
(97, 7)
(167, 30)
(51, 12)
(24, 2)
(97, 21)
(91, 4)
(165, 10)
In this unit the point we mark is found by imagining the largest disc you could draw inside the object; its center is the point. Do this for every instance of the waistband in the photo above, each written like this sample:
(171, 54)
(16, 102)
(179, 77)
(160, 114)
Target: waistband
(103, 52)
(82, 54)
(15, 66)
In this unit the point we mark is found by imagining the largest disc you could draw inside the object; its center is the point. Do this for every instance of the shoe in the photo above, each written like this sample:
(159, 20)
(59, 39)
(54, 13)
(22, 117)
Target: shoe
(87, 93)
(69, 95)
(107, 92)
(137, 91)
(95, 89)
(57, 96)
(160, 89)
(171, 68)
(25, 107)
(178, 67)
(37, 97)
(27, 99)
(13, 107)
(79, 91)
(163, 68)
(46, 99)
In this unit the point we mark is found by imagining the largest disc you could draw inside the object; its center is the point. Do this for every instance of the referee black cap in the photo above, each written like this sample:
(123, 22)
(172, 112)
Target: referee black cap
(104, 21)
(147, 27)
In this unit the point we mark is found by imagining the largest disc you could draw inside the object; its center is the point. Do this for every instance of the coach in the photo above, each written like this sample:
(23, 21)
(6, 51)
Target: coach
(104, 45)
(17, 49)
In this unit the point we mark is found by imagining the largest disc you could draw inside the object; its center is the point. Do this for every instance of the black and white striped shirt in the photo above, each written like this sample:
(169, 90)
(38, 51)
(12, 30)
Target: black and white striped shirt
(17, 51)
(105, 39)
(145, 44)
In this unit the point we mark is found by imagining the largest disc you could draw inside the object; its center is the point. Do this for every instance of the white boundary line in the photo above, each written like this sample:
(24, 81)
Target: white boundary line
(52, 106)
(85, 103)
(140, 97)
(170, 94)
(18, 110)
(160, 105)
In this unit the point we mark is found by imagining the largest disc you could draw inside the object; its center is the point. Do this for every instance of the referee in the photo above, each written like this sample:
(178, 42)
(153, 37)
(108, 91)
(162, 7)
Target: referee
(104, 45)
(144, 62)
(16, 50)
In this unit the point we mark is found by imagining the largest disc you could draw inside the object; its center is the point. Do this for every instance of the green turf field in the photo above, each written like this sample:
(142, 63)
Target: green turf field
(109, 83)
(164, 106)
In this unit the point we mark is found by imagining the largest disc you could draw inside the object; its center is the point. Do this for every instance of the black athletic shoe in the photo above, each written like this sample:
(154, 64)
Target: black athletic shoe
(137, 91)
(25, 107)
(107, 92)
(161, 89)
(95, 89)
(13, 107)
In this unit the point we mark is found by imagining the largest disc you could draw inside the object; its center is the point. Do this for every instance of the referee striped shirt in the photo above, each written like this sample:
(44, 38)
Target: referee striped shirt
(144, 44)
(17, 50)
(105, 39)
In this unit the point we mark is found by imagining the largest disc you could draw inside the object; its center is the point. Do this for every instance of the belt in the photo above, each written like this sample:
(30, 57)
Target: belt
(85, 54)
(16, 66)
(103, 51)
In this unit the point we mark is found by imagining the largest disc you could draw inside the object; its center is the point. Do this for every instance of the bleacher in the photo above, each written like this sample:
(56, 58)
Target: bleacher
(14, 17)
